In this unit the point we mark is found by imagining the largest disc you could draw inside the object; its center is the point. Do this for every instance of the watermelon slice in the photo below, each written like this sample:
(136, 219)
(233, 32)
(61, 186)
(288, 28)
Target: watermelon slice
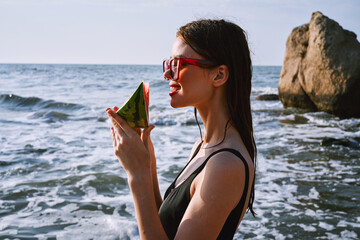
(136, 110)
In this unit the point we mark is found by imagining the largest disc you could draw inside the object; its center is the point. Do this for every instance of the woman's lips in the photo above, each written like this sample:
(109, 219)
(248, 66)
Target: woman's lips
(174, 89)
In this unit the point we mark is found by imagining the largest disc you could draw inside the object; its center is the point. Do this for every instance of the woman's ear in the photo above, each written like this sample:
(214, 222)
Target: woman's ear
(221, 76)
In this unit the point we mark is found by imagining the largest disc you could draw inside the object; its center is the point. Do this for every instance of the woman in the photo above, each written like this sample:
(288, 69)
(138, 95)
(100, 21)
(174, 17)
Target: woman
(209, 69)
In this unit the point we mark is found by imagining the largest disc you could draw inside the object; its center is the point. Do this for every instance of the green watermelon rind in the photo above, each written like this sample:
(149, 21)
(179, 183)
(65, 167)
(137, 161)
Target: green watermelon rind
(134, 111)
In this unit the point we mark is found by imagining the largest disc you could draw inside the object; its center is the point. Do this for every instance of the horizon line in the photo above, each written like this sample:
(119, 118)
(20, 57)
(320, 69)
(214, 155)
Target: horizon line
(112, 64)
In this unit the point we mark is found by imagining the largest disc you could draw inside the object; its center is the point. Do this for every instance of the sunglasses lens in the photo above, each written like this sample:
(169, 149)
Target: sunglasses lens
(175, 68)
(166, 65)
(171, 68)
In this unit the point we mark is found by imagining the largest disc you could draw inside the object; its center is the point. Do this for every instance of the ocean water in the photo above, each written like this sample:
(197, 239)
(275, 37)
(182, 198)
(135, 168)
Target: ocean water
(59, 178)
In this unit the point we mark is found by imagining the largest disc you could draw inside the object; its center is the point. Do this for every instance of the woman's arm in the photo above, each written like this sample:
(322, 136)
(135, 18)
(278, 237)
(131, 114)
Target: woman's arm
(150, 147)
(137, 159)
(158, 198)
(147, 216)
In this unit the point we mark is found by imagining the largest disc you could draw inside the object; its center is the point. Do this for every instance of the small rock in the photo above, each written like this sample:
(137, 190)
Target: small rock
(297, 120)
(352, 143)
(267, 97)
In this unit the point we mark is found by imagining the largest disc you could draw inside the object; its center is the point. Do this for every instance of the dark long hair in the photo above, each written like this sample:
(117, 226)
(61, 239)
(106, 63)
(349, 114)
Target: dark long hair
(225, 43)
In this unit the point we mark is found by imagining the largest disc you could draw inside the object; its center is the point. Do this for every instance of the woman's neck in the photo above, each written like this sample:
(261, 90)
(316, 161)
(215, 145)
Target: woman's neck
(215, 118)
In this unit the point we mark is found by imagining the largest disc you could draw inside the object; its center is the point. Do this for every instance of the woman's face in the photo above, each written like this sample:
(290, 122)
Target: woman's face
(193, 87)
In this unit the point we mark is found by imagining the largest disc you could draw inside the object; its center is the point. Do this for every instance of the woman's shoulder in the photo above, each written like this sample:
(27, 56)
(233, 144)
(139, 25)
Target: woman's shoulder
(228, 160)
(229, 165)
(225, 175)
(231, 153)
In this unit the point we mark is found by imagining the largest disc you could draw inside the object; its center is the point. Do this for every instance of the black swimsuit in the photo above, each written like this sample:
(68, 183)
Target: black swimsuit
(176, 201)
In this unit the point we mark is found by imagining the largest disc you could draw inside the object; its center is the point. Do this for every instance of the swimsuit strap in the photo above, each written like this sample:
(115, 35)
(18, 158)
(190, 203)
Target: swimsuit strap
(235, 152)
(192, 157)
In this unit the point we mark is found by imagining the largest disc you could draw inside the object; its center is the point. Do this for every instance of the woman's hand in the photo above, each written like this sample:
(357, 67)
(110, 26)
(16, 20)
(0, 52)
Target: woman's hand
(133, 151)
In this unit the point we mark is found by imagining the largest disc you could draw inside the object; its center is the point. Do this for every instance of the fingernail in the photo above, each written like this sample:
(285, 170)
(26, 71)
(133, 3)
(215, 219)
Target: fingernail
(108, 109)
(116, 108)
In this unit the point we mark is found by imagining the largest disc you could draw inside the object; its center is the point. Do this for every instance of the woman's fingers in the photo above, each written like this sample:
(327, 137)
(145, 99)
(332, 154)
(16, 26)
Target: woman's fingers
(131, 149)
(145, 136)
(137, 130)
(113, 136)
(120, 135)
(117, 120)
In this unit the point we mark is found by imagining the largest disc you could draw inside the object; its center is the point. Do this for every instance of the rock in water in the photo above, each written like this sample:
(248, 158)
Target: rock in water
(268, 97)
(321, 69)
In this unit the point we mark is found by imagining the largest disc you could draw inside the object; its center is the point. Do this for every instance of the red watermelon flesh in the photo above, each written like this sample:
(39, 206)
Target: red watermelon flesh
(146, 94)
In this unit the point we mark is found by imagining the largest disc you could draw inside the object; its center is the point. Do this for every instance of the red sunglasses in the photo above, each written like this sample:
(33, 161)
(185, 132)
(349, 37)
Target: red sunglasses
(174, 65)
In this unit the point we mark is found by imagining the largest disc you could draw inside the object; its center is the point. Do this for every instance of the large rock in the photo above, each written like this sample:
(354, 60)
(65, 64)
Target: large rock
(321, 69)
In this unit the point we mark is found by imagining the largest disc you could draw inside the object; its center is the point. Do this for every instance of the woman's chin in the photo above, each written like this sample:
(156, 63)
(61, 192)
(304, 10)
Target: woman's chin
(176, 104)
